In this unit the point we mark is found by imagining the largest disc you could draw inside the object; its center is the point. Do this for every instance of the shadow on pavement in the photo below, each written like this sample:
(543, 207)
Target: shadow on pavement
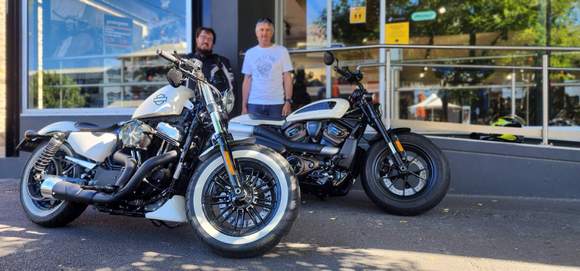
(350, 233)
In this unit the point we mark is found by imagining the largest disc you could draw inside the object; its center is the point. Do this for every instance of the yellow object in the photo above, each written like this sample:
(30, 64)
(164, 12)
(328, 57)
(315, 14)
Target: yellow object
(358, 15)
(229, 165)
(399, 146)
(397, 33)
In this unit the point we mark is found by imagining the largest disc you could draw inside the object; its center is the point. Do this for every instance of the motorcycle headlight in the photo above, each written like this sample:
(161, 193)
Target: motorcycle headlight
(228, 100)
(136, 135)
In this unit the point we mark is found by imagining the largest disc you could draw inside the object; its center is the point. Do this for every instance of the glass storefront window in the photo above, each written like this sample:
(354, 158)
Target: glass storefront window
(305, 27)
(433, 96)
(100, 53)
(564, 100)
(450, 93)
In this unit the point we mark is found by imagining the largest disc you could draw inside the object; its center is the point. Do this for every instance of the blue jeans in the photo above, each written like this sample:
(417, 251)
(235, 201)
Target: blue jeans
(266, 111)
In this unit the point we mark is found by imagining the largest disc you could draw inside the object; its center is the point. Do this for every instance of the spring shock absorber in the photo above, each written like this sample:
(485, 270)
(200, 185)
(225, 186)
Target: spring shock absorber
(47, 154)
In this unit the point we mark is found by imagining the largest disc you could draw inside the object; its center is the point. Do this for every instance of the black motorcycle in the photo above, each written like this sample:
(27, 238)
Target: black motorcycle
(402, 172)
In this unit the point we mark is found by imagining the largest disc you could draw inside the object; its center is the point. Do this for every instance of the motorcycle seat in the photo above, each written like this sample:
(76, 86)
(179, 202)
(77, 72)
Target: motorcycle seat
(93, 128)
(247, 120)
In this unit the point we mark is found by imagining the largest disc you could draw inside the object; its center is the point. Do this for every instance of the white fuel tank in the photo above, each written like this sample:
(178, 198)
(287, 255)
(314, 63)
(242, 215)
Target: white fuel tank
(166, 101)
(333, 108)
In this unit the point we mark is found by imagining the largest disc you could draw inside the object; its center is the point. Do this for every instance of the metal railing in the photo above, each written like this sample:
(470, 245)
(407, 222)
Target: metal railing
(388, 65)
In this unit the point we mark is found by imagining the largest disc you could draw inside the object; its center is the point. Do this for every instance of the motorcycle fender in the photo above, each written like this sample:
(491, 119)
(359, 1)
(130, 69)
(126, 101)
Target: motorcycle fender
(394, 131)
(31, 141)
(215, 148)
(32, 138)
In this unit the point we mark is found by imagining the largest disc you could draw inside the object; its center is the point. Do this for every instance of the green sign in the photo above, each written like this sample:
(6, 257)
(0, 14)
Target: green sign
(420, 16)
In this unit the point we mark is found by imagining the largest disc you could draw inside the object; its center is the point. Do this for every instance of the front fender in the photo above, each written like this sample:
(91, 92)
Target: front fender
(215, 148)
(376, 137)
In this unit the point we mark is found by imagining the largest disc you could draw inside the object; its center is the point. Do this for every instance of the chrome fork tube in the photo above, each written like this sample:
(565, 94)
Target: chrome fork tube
(221, 137)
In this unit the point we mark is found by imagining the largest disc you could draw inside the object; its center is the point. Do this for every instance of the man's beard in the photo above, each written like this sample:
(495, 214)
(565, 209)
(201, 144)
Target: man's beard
(203, 51)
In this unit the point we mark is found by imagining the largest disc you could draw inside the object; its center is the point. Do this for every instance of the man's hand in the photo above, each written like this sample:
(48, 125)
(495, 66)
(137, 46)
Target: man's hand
(286, 109)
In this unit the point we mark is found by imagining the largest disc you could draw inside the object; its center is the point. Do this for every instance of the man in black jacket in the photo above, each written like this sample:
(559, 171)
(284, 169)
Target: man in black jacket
(216, 68)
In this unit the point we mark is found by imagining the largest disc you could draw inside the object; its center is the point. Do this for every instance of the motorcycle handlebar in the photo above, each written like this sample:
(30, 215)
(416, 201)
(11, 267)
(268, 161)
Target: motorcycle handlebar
(342, 72)
(168, 56)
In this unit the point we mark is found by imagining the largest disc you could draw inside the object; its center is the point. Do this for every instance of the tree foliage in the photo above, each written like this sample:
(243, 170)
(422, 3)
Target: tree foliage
(54, 94)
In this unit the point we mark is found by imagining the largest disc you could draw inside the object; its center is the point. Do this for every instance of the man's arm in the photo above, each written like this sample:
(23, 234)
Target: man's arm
(287, 93)
(227, 69)
(246, 92)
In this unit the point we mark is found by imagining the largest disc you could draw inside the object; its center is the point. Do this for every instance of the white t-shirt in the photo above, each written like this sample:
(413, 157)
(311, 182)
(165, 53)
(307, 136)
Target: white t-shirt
(266, 66)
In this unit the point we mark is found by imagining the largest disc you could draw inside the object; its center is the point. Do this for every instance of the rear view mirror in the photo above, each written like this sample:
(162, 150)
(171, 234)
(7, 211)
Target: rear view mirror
(328, 58)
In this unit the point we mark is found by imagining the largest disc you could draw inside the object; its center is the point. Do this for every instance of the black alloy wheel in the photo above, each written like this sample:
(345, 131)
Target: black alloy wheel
(410, 183)
(249, 214)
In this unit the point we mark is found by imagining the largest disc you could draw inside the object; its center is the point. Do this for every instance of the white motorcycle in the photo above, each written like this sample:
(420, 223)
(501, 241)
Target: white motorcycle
(175, 161)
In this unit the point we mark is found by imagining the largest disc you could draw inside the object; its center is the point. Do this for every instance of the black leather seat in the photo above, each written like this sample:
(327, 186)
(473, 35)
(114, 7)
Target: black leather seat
(91, 127)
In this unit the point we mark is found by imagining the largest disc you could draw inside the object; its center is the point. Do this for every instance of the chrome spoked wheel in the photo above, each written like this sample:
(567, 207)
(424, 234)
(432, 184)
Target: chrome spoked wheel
(250, 214)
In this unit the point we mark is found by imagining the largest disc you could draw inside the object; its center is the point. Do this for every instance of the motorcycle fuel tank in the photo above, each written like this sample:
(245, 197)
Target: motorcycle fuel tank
(324, 109)
(166, 101)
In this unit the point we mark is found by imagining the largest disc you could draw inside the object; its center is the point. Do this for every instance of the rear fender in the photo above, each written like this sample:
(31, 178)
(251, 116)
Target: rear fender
(31, 141)
(32, 138)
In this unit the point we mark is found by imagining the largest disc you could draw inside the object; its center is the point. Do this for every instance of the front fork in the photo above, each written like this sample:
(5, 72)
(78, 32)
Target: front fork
(221, 138)
(392, 141)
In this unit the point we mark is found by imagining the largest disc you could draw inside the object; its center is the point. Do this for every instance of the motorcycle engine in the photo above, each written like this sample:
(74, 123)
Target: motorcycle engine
(333, 134)
(296, 132)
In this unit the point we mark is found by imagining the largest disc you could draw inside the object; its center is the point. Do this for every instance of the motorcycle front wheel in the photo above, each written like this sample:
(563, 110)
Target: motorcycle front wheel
(419, 189)
(254, 225)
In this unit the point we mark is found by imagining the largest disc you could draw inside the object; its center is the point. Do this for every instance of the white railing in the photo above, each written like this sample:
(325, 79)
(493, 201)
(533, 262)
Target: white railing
(543, 132)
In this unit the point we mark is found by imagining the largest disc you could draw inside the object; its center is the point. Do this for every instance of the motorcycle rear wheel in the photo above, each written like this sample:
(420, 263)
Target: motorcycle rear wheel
(49, 212)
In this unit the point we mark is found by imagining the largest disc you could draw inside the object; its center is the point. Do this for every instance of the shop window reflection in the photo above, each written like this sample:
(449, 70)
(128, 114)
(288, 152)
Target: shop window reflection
(101, 52)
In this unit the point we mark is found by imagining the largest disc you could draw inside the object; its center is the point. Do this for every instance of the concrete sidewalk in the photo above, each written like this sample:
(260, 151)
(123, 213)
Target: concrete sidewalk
(348, 233)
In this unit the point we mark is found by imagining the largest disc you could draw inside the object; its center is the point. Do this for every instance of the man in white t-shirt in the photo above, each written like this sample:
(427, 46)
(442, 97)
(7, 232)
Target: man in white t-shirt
(267, 87)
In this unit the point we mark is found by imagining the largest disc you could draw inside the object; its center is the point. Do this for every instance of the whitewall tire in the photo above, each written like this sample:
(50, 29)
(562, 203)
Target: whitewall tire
(243, 228)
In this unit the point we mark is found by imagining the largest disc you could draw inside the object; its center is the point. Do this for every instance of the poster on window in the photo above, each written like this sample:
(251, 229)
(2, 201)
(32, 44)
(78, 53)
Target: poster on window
(117, 34)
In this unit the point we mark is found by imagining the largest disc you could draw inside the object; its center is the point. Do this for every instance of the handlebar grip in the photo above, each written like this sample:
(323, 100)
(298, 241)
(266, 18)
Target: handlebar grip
(342, 72)
(167, 56)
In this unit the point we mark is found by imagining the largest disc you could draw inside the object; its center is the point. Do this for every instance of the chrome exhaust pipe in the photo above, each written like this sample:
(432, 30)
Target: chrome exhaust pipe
(48, 184)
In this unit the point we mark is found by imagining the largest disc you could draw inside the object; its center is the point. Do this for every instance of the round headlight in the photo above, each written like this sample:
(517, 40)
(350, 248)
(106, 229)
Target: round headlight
(136, 134)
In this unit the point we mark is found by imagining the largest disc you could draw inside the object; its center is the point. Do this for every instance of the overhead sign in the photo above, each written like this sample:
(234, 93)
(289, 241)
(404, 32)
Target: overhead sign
(358, 15)
(397, 33)
(426, 15)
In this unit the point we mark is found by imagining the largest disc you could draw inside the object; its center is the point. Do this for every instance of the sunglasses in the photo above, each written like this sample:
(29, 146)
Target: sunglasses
(265, 20)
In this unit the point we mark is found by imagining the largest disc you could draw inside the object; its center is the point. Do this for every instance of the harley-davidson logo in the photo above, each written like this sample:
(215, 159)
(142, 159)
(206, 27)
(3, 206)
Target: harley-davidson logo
(160, 99)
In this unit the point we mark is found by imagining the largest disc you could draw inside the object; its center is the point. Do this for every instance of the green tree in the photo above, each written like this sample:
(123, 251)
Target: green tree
(54, 94)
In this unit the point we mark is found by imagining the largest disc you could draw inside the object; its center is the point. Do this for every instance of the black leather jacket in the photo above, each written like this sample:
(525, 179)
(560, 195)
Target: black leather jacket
(217, 71)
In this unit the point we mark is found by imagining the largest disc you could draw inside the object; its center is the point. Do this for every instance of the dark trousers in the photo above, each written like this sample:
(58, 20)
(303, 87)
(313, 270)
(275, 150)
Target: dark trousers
(266, 111)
